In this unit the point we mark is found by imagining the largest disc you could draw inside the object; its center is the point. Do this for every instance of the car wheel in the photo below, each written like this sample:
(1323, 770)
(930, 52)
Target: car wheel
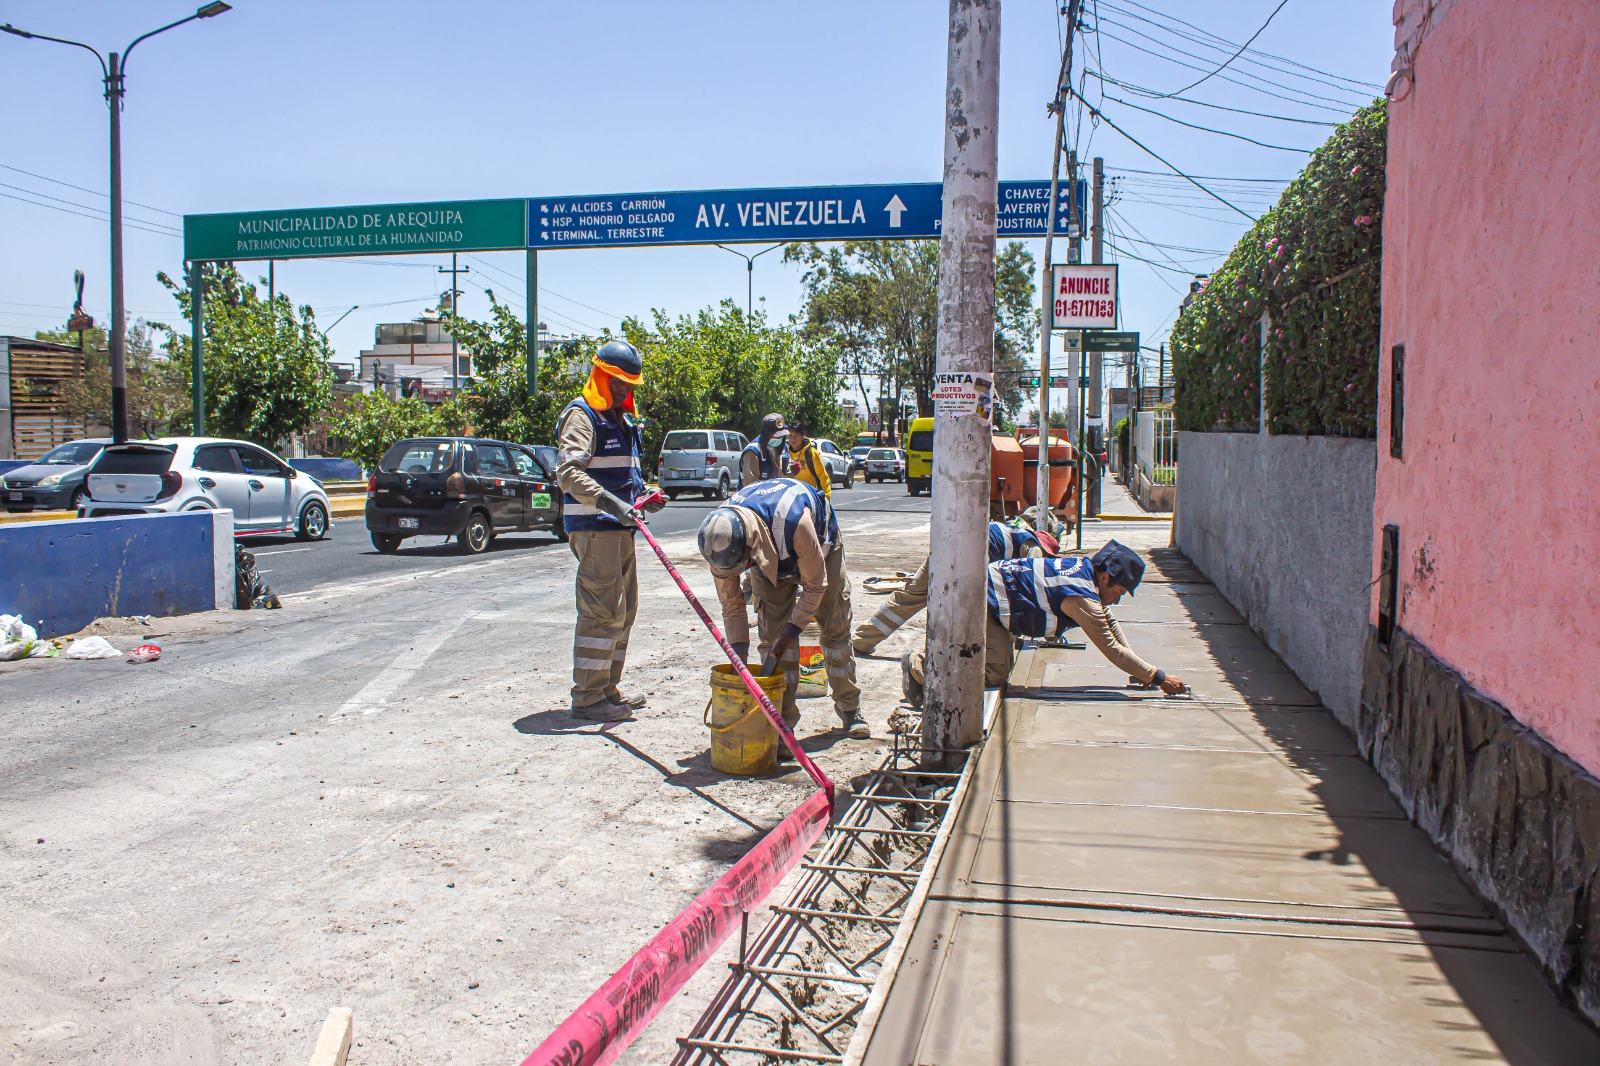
(849, 479)
(474, 540)
(722, 488)
(313, 522)
(672, 494)
(560, 527)
(387, 543)
(77, 500)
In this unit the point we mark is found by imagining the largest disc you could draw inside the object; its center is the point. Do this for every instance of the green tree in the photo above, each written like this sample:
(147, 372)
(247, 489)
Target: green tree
(156, 391)
(877, 303)
(370, 423)
(266, 364)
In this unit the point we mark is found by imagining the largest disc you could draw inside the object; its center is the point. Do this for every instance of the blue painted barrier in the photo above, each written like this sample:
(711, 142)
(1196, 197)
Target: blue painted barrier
(60, 576)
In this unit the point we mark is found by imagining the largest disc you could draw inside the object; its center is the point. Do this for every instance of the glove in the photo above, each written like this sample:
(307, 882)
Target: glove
(618, 508)
(741, 648)
(769, 665)
(656, 504)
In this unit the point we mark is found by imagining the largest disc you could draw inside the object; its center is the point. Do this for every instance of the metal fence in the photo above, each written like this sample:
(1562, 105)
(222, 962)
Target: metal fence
(1155, 447)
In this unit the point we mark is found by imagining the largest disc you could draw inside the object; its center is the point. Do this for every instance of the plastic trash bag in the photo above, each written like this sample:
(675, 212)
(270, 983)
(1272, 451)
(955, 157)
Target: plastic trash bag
(19, 640)
(91, 648)
(145, 653)
(249, 591)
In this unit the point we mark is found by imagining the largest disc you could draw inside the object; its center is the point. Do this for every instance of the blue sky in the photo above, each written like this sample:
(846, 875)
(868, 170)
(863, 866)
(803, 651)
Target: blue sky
(290, 103)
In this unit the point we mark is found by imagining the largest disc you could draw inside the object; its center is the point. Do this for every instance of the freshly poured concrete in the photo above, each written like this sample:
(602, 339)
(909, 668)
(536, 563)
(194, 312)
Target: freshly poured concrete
(1138, 879)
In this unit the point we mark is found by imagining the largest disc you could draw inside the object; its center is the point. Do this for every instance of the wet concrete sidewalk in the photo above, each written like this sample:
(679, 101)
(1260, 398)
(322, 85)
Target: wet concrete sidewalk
(1138, 879)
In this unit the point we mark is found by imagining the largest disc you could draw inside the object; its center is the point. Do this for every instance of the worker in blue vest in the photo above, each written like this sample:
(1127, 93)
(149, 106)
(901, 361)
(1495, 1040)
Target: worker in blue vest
(1005, 542)
(1047, 597)
(598, 445)
(762, 458)
(785, 533)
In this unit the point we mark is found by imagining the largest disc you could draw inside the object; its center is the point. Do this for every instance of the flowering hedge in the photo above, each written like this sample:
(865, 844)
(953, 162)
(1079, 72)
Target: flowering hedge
(1312, 262)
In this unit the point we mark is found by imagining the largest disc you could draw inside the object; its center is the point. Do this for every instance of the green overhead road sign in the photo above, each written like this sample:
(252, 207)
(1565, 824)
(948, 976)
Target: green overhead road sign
(374, 229)
(1106, 341)
(1055, 382)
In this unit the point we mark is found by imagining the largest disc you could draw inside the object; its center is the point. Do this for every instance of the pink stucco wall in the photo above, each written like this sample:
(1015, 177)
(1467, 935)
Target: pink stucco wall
(1491, 280)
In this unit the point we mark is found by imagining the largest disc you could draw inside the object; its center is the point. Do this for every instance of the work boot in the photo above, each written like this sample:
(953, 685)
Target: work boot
(855, 725)
(864, 647)
(634, 700)
(604, 711)
(785, 756)
(910, 687)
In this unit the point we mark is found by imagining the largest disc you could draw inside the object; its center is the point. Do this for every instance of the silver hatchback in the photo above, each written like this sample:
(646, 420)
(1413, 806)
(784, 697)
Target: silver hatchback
(700, 460)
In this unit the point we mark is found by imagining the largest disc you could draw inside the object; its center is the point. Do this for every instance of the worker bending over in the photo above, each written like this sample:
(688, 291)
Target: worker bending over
(598, 441)
(1047, 597)
(762, 458)
(786, 534)
(806, 462)
(1005, 542)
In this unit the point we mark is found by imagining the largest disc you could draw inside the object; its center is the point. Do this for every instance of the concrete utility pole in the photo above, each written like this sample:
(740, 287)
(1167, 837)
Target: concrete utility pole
(455, 309)
(1046, 282)
(953, 696)
(1096, 359)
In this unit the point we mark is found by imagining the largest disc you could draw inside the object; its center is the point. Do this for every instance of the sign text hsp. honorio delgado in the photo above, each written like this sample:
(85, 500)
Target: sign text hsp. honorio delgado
(1083, 296)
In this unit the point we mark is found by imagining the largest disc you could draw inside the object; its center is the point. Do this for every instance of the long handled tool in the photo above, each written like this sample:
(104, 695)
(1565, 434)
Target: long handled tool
(822, 779)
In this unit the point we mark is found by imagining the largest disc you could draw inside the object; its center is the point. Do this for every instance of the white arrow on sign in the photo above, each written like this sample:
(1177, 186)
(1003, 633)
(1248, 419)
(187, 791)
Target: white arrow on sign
(896, 208)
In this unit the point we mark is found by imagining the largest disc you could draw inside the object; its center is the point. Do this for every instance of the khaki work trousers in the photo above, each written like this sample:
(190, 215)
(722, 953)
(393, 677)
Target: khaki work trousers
(897, 610)
(999, 653)
(775, 604)
(608, 599)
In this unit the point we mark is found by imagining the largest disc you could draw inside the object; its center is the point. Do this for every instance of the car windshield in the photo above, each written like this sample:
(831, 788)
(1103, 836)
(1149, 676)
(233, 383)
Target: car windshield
(77, 453)
(419, 457)
(685, 440)
(922, 440)
(140, 459)
(882, 453)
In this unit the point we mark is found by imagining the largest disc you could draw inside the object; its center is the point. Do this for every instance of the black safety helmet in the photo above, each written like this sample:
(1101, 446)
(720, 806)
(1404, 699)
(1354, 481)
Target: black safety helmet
(623, 357)
(771, 426)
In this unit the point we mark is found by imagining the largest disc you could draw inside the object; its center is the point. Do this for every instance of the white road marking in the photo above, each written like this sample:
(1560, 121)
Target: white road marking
(284, 551)
(374, 695)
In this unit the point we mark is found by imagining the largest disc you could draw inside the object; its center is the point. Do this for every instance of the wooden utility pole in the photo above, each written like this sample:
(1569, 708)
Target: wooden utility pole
(953, 696)
(1046, 282)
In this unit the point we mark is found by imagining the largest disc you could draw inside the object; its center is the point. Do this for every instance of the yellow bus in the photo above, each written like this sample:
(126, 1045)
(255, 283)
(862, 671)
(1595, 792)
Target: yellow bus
(919, 457)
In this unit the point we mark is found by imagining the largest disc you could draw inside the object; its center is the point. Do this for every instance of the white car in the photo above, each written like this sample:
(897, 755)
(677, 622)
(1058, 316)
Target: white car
(840, 468)
(886, 464)
(265, 494)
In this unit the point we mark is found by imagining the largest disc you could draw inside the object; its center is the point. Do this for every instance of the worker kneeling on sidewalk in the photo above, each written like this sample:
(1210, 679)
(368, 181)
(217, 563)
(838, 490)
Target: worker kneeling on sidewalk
(1005, 542)
(1047, 597)
(598, 442)
(787, 535)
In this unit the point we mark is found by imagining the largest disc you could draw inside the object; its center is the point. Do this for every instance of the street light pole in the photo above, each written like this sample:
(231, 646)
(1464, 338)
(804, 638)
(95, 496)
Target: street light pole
(750, 279)
(113, 74)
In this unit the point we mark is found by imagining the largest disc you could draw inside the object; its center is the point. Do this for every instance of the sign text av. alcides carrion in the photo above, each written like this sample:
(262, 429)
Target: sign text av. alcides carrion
(374, 229)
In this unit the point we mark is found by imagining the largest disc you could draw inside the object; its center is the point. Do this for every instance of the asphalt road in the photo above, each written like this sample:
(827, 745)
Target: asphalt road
(288, 565)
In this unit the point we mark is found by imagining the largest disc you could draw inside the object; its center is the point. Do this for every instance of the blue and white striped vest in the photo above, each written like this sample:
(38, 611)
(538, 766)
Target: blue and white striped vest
(764, 457)
(1008, 542)
(783, 503)
(1029, 596)
(615, 466)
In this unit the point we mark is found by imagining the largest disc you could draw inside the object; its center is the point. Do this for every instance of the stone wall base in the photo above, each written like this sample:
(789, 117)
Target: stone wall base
(1519, 819)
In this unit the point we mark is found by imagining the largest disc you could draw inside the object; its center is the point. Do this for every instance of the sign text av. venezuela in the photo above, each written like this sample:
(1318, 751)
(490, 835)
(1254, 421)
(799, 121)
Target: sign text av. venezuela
(448, 226)
(1083, 296)
(818, 213)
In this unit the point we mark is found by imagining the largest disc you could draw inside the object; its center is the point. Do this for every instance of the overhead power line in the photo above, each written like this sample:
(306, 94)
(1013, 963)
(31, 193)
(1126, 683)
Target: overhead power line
(1366, 85)
(1202, 177)
(1100, 75)
(1153, 154)
(1304, 97)
(130, 223)
(1208, 129)
(92, 192)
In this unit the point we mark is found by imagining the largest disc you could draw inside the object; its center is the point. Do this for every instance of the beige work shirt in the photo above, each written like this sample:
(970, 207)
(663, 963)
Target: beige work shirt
(1104, 633)
(763, 555)
(574, 451)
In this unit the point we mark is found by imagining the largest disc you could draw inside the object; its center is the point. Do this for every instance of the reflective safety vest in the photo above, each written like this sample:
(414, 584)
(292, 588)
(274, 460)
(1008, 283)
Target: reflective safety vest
(763, 456)
(783, 503)
(1009, 542)
(615, 466)
(1029, 596)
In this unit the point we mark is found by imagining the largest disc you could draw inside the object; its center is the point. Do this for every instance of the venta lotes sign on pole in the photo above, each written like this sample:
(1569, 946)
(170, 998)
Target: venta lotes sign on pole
(1083, 296)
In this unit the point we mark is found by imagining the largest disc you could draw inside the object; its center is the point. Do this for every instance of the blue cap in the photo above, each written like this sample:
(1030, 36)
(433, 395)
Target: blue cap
(1121, 564)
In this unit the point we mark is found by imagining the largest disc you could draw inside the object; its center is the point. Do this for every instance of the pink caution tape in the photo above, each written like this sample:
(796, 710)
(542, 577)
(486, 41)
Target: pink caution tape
(608, 1021)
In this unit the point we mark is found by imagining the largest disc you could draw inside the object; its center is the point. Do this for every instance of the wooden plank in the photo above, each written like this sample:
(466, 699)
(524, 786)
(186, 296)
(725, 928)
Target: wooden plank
(333, 1046)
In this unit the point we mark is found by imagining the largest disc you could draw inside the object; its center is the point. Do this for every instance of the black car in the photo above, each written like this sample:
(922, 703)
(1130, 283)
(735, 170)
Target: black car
(462, 487)
(54, 481)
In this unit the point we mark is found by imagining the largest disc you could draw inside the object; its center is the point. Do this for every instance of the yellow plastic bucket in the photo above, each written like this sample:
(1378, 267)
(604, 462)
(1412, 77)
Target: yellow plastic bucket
(743, 741)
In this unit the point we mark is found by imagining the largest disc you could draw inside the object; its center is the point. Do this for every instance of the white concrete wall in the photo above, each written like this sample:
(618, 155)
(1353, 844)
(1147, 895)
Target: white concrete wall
(1283, 527)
